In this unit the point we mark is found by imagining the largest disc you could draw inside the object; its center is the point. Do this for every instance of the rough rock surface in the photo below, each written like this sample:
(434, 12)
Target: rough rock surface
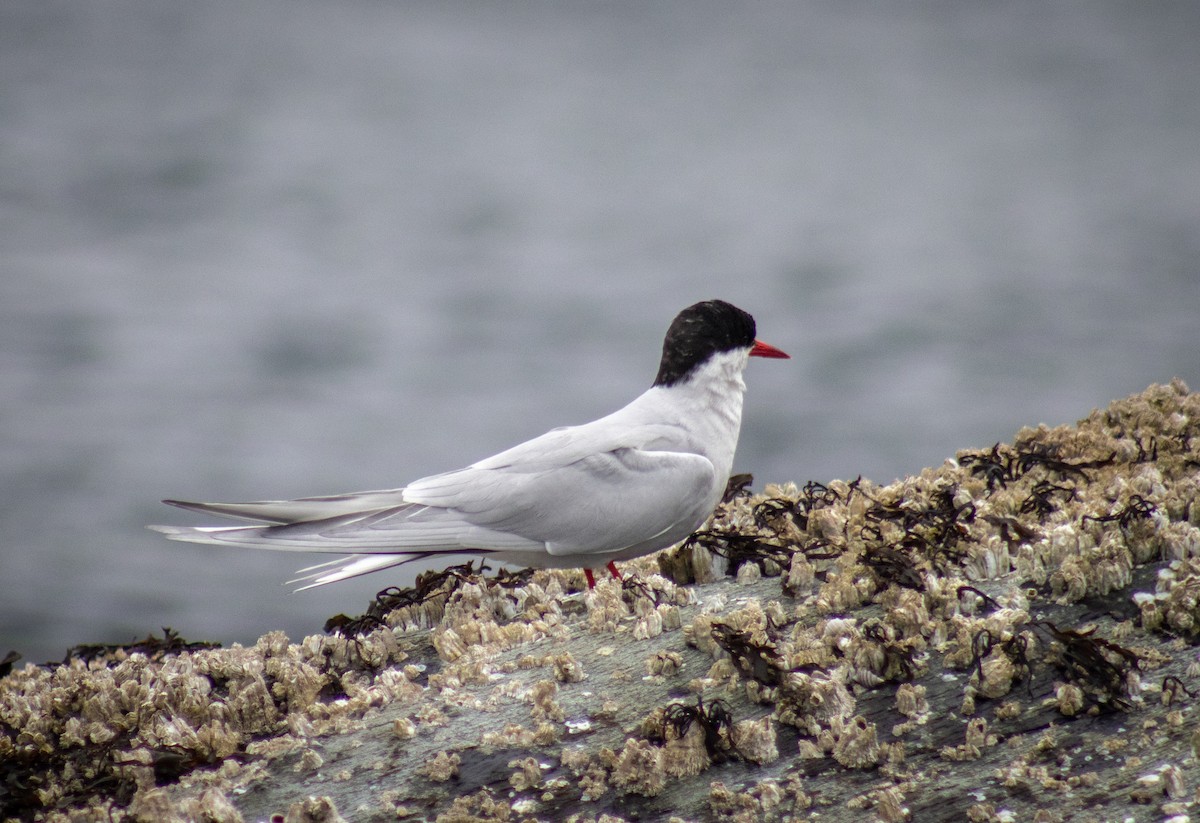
(1008, 636)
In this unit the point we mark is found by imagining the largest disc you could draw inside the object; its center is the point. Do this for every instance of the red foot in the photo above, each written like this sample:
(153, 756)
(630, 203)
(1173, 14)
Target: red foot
(612, 567)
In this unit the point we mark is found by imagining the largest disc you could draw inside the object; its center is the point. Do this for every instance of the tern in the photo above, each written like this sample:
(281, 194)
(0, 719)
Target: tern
(635, 481)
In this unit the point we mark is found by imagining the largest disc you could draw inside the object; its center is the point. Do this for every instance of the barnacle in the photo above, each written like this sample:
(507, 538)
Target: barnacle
(528, 774)
(310, 760)
(638, 769)
(689, 562)
(1152, 616)
(1177, 599)
(699, 634)
(908, 612)
(152, 804)
(1174, 786)
(855, 745)
(977, 738)
(889, 805)
(714, 722)
(212, 804)
(995, 675)
(911, 702)
(800, 575)
(670, 615)
(442, 767)
(605, 607)
(545, 707)
(838, 593)
(809, 701)
(664, 663)
(511, 736)
(449, 645)
(567, 669)
(755, 740)
(685, 755)
(727, 803)
(404, 728)
(647, 626)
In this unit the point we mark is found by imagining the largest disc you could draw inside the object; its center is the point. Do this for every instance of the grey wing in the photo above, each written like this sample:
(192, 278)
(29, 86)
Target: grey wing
(407, 528)
(304, 508)
(602, 502)
(563, 493)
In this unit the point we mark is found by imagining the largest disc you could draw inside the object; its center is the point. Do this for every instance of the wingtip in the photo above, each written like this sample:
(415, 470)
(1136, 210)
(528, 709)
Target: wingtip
(192, 534)
(317, 580)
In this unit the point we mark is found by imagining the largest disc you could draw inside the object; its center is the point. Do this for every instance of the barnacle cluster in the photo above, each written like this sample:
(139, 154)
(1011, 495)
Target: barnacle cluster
(805, 630)
(1174, 605)
(132, 721)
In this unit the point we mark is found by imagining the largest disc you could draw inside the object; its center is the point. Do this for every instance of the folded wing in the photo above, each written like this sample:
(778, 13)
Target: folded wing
(599, 503)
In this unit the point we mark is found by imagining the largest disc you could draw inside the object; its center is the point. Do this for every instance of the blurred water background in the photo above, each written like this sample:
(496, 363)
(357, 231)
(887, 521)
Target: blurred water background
(269, 249)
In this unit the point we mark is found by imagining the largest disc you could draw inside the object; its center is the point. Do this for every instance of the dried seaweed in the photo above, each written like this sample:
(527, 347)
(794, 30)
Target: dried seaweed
(739, 549)
(155, 648)
(172, 762)
(1047, 458)
(1145, 455)
(1171, 686)
(6, 664)
(26, 773)
(1015, 648)
(1012, 530)
(1138, 508)
(812, 497)
(996, 469)
(1004, 464)
(899, 659)
(429, 586)
(989, 601)
(1041, 498)
(1100, 667)
(738, 486)
(933, 530)
(715, 719)
(893, 563)
(758, 661)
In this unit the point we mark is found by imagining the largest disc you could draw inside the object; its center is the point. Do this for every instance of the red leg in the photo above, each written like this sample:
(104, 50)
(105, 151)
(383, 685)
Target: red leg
(612, 567)
(590, 579)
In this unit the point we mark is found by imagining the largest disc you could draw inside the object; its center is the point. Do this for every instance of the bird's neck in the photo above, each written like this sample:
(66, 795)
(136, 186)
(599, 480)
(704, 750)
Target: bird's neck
(718, 384)
(711, 401)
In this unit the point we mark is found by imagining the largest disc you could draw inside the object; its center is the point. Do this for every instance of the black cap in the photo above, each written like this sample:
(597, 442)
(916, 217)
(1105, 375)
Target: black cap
(697, 333)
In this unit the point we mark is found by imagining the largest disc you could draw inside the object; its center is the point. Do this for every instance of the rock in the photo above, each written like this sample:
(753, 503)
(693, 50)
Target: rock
(1005, 628)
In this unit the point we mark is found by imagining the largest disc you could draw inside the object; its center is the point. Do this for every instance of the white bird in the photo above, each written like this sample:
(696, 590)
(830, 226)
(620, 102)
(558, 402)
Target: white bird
(636, 481)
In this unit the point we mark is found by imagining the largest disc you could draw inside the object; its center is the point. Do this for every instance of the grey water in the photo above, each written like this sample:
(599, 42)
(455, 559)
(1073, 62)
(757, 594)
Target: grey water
(268, 249)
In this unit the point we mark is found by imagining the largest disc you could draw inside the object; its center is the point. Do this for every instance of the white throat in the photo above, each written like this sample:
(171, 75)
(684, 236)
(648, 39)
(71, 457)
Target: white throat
(711, 400)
